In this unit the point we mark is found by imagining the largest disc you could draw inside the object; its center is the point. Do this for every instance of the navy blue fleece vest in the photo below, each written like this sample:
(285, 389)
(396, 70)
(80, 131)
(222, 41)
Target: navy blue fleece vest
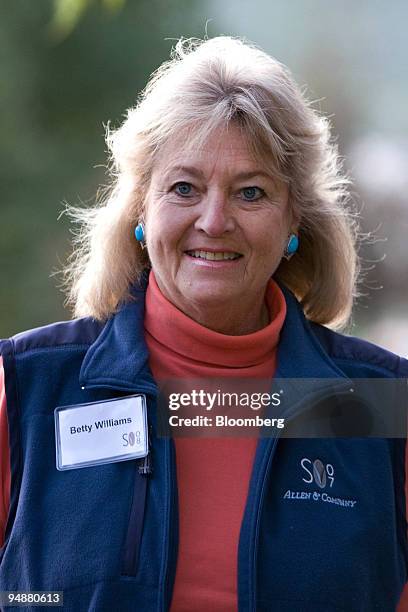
(107, 535)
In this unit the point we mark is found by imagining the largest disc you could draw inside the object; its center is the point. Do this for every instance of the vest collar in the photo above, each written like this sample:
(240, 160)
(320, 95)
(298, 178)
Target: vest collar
(118, 358)
(300, 355)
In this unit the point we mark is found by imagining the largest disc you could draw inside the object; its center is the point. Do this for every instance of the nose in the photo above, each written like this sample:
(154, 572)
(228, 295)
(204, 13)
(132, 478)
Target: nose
(216, 217)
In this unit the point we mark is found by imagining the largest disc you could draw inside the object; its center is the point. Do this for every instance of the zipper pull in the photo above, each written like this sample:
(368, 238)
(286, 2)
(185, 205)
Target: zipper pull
(146, 467)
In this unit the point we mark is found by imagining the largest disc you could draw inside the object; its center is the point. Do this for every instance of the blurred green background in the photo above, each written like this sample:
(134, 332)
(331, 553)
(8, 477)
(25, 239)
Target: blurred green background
(69, 66)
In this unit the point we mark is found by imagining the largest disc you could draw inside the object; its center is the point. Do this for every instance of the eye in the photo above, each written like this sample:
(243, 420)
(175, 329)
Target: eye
(252, 194)
(182, 188)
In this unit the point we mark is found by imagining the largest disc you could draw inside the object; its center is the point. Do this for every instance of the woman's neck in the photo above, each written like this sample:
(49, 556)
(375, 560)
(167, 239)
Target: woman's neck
(231, 321)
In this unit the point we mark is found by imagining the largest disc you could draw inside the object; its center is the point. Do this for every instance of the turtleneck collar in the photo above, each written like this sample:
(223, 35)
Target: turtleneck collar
(178, 333)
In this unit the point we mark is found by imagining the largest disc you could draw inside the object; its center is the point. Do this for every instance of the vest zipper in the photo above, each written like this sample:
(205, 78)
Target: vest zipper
(135, 524)
(260, 493)
(143, 469)
(252, 576)
(172, 528)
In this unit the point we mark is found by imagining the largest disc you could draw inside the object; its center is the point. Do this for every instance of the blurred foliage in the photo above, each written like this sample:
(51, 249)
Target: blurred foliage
(67, 14)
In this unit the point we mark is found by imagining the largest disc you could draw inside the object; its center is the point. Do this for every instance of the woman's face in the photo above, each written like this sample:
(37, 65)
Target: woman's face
(216, 228)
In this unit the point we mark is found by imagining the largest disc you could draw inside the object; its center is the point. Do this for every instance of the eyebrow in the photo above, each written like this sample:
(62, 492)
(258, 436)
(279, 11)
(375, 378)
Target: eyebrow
(199, 174)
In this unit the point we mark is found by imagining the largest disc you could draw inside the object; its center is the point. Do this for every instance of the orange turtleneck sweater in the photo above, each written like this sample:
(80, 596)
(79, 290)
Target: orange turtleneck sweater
(212, 473)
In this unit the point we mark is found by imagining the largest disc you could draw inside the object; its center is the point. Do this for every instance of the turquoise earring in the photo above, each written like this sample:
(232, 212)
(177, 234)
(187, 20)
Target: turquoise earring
(291, 247)
(140, 232)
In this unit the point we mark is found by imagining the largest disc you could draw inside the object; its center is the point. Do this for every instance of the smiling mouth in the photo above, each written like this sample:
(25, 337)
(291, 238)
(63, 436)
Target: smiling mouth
(211, 256)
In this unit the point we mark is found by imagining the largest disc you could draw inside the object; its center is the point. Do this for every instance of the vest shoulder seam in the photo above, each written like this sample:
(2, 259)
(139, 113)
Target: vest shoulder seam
(373, 366)
(55, 347)
(73, 334)
(351, 349)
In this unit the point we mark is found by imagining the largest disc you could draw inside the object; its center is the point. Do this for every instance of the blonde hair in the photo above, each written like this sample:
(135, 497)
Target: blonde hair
(205, 86)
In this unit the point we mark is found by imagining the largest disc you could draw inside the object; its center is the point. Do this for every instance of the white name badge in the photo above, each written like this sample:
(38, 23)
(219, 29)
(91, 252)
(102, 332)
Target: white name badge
(101, 432)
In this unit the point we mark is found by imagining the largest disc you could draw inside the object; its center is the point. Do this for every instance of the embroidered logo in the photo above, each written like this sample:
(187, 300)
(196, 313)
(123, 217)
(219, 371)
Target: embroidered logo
(317, 473)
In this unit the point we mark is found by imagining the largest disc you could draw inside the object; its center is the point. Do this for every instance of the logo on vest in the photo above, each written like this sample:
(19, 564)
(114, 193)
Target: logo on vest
(318, 474)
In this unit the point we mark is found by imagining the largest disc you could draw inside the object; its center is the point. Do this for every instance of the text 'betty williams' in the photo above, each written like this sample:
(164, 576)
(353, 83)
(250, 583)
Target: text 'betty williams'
(100, 425)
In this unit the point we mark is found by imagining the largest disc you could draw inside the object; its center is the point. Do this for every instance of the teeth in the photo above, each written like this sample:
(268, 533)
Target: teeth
(213, 256)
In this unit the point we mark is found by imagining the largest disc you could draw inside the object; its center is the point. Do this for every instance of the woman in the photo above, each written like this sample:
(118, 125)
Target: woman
(245, 250)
